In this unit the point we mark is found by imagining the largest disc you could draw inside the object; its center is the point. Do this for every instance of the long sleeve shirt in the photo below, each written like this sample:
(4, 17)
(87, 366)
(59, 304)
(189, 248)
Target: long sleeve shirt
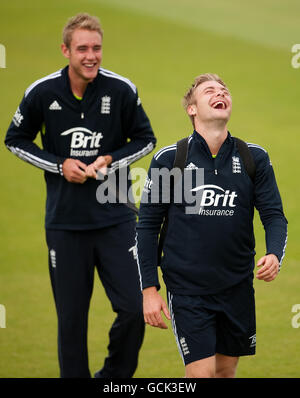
(108, 120)
(210, 243)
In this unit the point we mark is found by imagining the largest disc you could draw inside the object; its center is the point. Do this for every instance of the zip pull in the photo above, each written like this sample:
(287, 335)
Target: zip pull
(82, 115)
(214, 160)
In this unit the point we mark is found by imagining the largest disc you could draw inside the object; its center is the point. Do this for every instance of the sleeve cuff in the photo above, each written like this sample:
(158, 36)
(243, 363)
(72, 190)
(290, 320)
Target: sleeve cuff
(60, 162)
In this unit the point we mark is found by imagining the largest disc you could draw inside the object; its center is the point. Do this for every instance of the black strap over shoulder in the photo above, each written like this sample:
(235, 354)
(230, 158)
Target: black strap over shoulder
(181, 153)
(244, 151)
(179, 162)
(246, 156)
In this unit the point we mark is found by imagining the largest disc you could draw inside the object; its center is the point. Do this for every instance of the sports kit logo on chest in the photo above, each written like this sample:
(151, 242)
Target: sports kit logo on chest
(215, 201)
(84, 142)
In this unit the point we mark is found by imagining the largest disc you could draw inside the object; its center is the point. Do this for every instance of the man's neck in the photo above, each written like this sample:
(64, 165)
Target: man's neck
(78, 86)
(214, 134)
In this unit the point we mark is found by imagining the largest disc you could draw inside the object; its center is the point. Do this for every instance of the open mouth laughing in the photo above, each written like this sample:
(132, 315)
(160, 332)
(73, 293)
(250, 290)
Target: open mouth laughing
(219, 104)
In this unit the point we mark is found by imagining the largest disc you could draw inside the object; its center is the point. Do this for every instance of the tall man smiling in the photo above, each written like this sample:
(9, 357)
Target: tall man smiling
(90, 119)
(208, 261)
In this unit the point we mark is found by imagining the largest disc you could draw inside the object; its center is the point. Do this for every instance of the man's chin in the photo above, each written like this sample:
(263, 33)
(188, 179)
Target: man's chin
(222, 115)
(90, 77)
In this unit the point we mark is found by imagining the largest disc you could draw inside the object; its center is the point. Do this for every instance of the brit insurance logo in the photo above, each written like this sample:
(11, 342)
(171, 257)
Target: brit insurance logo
(84, 142)
(215, 201)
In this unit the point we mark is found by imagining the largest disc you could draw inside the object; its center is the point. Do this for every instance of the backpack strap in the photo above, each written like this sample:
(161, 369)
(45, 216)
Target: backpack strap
(179, 162)
(181, 153)
(246, 156)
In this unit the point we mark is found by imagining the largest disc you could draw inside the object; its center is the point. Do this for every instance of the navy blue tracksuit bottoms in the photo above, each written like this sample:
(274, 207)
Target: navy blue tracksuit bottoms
(73, 256)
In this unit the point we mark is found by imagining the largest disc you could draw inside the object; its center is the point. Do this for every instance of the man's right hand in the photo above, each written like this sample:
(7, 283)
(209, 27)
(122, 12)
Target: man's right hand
(153, 304)
(74, 171)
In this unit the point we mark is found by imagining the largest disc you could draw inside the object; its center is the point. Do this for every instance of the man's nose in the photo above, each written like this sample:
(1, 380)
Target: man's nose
(90, 54)
(220, 93)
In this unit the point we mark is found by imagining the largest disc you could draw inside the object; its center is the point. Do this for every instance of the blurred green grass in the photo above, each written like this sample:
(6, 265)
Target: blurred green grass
(161, 50)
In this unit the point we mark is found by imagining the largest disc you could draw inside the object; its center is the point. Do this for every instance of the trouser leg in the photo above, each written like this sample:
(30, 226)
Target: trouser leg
(71, 272)
(118, 272)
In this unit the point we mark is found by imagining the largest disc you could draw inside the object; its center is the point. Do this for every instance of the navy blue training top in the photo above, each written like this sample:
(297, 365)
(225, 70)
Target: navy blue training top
(213, 247)
(109, 120)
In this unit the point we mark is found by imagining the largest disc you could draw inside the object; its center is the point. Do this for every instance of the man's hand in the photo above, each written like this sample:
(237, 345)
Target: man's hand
(153, 305)
(269, 268)
(74, 171)
(100, 164)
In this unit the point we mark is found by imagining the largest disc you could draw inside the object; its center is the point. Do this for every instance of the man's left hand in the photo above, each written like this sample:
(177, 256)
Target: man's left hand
(269, 268)
(100, 164)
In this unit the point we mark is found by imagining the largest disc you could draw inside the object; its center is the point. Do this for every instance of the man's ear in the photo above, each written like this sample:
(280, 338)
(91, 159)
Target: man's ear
(191, 110)
(65, 50)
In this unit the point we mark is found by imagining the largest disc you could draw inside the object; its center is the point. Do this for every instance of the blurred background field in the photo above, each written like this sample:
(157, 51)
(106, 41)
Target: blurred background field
(161, 46)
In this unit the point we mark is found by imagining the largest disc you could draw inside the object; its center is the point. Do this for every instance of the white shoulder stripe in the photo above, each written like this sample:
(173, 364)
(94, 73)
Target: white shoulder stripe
(158, 155)
(37, 82)
(250, 145)
(164, 149)
(113, 75)
(168, 148)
